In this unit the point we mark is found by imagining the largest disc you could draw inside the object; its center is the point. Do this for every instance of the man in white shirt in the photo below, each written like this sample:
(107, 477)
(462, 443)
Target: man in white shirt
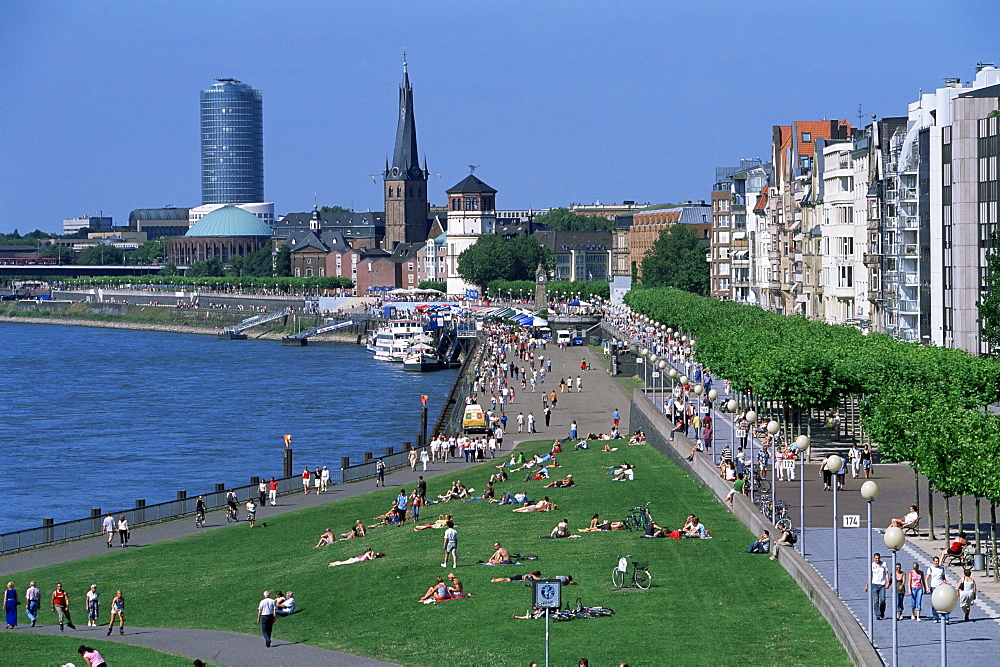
(937, 576)
(265, 614)
(287, 607)
(908, 521)
(324, 479)
(880, 583)
(108, 525)
(450, 545)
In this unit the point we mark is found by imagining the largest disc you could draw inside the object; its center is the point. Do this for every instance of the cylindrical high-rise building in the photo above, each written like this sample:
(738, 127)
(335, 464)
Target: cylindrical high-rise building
(232, 144)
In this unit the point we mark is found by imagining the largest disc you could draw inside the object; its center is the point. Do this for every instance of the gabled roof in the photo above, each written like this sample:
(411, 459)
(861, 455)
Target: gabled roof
(471, 184)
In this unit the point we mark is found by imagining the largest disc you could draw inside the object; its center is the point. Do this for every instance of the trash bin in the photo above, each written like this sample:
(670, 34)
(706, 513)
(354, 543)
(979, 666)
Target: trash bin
(978, 562)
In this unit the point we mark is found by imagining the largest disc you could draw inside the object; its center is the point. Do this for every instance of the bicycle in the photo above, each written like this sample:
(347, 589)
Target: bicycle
(523, 557)
(640, 576)
(760, 484)
(199, 519)
(638, 518)
(232, 514)
(590, 612)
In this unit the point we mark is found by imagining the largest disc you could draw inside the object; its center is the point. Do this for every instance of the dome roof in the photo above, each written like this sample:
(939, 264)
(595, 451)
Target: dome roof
(230, 221)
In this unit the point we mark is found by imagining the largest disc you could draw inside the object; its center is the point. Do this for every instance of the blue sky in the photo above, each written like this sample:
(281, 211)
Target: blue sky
(557, 102)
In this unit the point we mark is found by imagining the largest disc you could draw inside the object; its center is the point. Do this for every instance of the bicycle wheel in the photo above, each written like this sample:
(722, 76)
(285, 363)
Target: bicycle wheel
(618, 578)
(764, 484)
(642, 578)
(784, 523)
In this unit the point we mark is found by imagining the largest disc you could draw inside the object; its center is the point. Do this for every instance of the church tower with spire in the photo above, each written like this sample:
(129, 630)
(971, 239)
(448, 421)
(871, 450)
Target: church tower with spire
(405, 181)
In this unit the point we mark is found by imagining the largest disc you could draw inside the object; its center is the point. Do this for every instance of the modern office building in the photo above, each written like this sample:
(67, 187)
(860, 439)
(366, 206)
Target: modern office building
(232, 144)
(92, 222)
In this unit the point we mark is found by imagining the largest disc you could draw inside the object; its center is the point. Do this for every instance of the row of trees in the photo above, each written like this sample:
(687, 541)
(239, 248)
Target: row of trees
(586, 290)
(923, 404)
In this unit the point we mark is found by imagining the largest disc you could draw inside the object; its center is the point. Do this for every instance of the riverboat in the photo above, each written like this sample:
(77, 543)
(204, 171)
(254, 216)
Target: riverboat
(392, 341)
(421, 358)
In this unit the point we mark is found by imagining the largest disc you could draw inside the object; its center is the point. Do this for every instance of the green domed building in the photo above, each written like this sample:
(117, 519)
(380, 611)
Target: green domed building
(223, 234)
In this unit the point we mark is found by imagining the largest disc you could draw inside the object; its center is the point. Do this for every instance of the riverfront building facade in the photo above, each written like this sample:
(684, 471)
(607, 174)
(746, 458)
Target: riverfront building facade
(232, 144)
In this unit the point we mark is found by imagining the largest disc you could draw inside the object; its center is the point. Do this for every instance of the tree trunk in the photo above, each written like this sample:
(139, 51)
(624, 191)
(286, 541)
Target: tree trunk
(947, 519)
(979, 544)
(996, 554)
(930, 512)
(809, 430)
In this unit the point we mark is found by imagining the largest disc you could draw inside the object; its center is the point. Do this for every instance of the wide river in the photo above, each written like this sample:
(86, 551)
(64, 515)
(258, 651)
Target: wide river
(100, 417)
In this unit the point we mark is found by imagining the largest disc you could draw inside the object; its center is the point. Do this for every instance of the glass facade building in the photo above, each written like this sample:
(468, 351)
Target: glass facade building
(232, 144)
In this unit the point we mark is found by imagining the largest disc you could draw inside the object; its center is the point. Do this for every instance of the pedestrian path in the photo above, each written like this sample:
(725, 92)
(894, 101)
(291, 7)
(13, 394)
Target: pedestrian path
(972, 642)
(217, 648)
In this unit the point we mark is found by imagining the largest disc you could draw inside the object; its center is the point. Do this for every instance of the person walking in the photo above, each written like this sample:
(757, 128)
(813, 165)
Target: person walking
(899, 582)
(123, 529)
(33, 598)
(324, 479)
(305, 481)
(937, 576)
(93, 606)
(251, 511)
(879, 581)
(450, 544)
(424, 459)
(421, 487)
(10, 604)
(265, 616)
(117, 609)
(109, 525)
(531, 423)
(272, 492)
(615, 418)
(60, 605)
(579, 384)
(380, 473)
(401, 507)
(966, 592)
(916, 584)
(412, 457)
(547, 413)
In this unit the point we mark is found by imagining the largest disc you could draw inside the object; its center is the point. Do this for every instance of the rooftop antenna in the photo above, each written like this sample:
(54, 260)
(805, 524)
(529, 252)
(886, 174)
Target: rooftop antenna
(860, 115)
(472, 168)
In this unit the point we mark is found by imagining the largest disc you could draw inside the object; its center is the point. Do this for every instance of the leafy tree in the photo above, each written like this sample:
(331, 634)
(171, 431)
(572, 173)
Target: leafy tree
(101, 253)
(65, 254)
(334, 209)
(562, 219)
(283, 262)
(255, 264)
(989, 307)
(677, 259)
(489, 258)
(528, 253)
(150, 252)
(169, 269)
(208, 268)
(439, 285)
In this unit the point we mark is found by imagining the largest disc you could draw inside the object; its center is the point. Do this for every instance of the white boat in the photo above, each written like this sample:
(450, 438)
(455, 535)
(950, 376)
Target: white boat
(421, 357)
(392, 342)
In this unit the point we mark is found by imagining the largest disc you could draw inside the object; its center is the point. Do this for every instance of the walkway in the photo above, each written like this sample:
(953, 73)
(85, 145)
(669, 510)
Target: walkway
(591, 409)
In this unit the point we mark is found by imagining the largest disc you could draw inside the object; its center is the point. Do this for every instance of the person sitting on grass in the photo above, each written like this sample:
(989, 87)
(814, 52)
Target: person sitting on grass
(697, 529)
(497, 477)
(325, 539)
(561, 483)
(911, 520)
(597, 526)
(542, 505)
(367, 555)
(762, 545)
(514, 498)
(285, 607)
(556, 448)
(638, 439)
(500, 557)
(520, 577)
(581, 445)
(541, 473)
(437, 592)
(625, 474)
(561, 529)
(358, 530)
(455, 587)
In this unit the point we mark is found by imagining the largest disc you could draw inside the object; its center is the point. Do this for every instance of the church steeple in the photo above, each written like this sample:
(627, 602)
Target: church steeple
(405, 161)
(406, 210)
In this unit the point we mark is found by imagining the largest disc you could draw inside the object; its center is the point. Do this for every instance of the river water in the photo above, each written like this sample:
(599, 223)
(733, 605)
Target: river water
(93, 417)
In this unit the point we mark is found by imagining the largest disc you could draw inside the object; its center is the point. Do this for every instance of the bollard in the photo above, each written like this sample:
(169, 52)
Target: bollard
(220, 487)
(95, 512)
(345, 462)
(254, 480)
(140, 502)
(46, 523)
(288, 462)
(181, 495)
(407, 447)
(389, 450)
(368, 457)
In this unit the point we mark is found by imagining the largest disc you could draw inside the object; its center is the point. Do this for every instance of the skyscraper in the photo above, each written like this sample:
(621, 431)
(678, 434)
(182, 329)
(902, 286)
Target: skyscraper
(405, 181)
(232, 144)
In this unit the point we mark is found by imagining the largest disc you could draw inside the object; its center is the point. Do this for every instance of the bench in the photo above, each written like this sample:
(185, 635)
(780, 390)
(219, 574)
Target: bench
(912, 530)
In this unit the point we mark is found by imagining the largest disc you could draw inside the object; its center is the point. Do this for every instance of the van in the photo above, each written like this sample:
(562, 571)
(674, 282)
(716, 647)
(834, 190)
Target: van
(474, 419)
(563, 337)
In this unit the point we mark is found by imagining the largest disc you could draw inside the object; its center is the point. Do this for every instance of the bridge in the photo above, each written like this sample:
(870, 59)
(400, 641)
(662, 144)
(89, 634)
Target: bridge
(235, 332)
(76, 270)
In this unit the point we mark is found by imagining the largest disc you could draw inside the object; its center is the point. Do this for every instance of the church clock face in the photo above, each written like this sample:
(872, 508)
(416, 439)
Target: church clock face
(395, 171)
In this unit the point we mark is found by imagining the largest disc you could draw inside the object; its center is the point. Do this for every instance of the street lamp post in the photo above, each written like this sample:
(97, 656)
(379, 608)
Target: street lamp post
(944, 598)
(833, 464)
(772, 428)
(712, 396)
(731, 406)
(869, 491)
(644, 353)
(894, 541)
(661, 364)
(802, 442)
(751, 419)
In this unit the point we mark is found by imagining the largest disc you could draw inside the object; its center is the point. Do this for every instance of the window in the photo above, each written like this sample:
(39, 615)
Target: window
(807, 137)
(846, 276)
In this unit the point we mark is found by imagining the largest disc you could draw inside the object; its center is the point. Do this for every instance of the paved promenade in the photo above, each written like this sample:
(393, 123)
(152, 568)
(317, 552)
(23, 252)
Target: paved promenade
(591, 409)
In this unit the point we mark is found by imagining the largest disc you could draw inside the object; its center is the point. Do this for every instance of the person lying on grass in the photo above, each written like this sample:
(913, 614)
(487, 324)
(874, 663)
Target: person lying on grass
(520, 577)
(556, 448)
(625, 474)
(498, 477)
(325, 539)
(542, 505)
(514, 499)
(541, 473)
(367, 555)
(561, 529)
(596, 525)
(500, 557)
(638, 439)
(442, 522)
(561, 483)
(358, 530)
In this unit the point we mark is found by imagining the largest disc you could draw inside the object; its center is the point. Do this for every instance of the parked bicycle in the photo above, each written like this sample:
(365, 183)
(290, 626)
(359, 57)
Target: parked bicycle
(638, 518)
(639, 575)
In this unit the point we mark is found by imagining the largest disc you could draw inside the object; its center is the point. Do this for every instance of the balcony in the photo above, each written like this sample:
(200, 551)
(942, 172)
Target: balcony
(774, 285)
(874, 295)
(909, 306)
(871, 259)
(774, 255)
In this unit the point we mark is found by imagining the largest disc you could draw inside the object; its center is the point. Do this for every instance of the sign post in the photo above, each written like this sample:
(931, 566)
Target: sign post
(547, 595)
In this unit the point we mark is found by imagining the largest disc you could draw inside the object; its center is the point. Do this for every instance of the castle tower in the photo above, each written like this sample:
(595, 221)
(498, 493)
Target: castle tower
(405, 181)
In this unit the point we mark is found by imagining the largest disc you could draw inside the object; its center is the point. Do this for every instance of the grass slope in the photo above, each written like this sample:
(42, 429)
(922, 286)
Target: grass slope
(710, 601)
(22, 648)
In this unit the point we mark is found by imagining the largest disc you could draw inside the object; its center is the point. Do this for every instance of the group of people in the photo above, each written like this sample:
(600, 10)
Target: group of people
(268, 610)
(916, 583)
(61, 606)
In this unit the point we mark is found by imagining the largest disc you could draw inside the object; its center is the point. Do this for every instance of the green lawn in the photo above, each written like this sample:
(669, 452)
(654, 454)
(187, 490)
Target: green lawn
(711, 603)
(22, 648)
